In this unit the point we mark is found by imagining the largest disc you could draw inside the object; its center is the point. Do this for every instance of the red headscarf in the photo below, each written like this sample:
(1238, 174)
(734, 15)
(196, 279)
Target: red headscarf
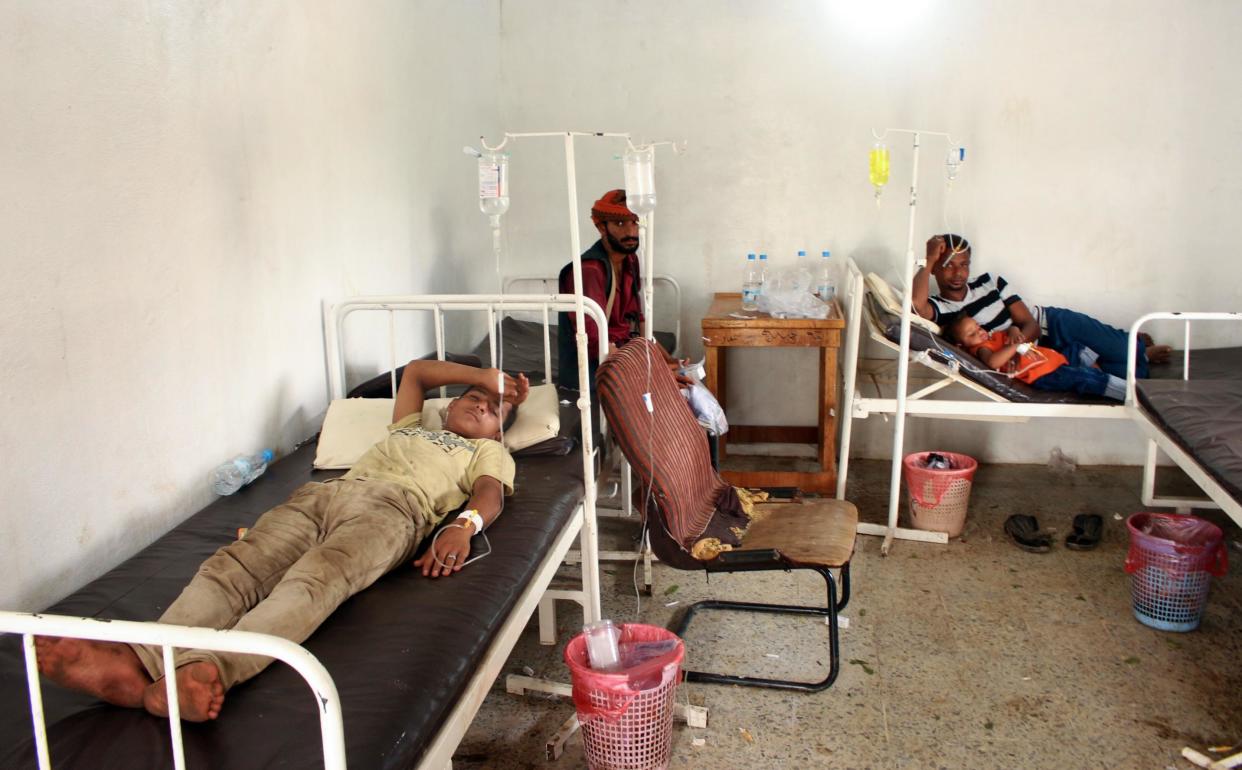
(611, 208)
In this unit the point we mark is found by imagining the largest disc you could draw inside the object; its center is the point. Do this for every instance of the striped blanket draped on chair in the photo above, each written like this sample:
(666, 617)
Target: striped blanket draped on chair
(667, 449)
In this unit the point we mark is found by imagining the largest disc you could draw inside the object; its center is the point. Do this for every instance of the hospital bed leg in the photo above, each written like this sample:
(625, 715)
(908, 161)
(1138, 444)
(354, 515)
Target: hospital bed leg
(547, 621)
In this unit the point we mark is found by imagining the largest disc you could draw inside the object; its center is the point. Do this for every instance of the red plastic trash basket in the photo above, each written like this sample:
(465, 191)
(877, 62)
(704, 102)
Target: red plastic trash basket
(627, 716)
(939, 496)
(1171, 561)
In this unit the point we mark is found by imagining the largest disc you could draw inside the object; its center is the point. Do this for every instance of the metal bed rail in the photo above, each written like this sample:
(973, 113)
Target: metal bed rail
(667, 280)
(495, 305)
(30, 625)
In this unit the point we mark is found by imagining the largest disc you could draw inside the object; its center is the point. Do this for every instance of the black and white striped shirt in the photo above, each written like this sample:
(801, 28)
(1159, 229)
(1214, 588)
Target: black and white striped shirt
(987, 301)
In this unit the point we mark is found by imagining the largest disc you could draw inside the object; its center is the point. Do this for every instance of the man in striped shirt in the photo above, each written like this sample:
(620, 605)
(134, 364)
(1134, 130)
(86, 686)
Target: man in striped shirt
(996, 306)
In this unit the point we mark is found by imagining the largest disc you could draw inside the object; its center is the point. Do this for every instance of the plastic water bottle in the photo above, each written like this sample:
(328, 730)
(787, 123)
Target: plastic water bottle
(825, 288)
(800, 278)
(750, 284)
(764, 275)
(240, 471)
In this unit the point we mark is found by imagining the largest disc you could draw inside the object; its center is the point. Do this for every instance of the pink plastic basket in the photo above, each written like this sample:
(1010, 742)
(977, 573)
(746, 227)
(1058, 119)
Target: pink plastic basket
(939, 497)
(627, 717)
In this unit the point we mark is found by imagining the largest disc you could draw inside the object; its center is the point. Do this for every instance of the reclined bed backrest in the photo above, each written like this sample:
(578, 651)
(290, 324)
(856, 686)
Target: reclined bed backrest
(972, 368)
(667, 450)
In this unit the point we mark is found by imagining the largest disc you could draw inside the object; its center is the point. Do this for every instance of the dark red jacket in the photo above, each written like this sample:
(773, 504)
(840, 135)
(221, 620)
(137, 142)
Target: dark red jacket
(626, 319)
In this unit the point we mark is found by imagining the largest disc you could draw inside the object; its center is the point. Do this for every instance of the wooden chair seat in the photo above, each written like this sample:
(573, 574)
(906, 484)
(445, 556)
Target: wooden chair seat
(816, 533)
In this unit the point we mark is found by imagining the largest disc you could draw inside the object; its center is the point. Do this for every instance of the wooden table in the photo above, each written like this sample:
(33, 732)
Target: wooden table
(722, 330)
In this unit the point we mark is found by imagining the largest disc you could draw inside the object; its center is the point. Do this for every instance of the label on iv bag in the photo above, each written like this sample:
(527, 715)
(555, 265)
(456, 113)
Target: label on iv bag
(492, 181)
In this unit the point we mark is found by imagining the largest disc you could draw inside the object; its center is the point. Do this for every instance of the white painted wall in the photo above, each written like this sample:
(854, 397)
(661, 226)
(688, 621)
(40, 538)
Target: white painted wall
(181, 185)
(1100, 174)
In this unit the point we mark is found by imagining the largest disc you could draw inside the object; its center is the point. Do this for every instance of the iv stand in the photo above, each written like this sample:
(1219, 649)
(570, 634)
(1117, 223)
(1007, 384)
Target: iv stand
(696, 716)
(903, 367)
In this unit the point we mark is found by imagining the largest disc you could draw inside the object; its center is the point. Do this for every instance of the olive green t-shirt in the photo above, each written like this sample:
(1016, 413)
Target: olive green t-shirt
(438, 466)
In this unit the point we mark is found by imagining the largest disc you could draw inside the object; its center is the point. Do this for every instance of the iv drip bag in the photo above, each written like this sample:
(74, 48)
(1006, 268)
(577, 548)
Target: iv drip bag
(640, 194)
(957, 156)
(493, 183)
(879, 168)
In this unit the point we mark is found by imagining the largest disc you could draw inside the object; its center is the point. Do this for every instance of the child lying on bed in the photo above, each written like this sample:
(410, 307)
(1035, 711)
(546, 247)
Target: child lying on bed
(328, 541)
(1041, 368)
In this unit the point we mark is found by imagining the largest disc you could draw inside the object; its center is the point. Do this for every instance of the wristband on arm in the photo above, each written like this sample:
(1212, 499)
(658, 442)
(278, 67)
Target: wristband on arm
(471, 515)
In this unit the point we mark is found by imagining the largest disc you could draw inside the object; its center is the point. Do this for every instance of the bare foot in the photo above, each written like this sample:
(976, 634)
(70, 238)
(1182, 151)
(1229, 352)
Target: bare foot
(1158, 354)
(200, 693)
(109, 671)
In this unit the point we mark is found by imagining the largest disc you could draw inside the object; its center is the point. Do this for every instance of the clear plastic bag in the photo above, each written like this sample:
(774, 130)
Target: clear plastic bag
(788, 295)
(706, 409)
(1059, 462)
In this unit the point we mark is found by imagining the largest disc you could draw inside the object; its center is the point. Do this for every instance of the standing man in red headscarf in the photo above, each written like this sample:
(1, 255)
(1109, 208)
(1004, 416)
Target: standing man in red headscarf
(610, 276)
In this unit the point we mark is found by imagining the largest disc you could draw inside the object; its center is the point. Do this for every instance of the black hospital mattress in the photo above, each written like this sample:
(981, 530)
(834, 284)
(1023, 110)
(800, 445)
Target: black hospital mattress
(401, 652)
(1204, 417)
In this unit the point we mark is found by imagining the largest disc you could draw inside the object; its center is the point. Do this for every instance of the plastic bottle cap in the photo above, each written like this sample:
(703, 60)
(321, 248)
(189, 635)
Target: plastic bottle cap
(827, 254)
(801, 253)
(267, 455)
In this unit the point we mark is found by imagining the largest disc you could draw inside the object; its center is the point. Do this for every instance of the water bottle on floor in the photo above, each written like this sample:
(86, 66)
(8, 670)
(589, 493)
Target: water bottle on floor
(750, 284)
(240, 471)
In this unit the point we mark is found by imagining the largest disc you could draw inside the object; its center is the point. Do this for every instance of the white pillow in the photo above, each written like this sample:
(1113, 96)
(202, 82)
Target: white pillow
(351, 427)
(354, 425)
(890, 300)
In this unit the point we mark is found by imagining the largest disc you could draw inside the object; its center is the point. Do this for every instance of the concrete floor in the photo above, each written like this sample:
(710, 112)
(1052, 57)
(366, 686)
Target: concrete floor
(970, 655)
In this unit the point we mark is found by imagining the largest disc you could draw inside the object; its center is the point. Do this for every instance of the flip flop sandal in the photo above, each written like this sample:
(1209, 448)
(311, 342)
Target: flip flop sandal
(1024, 531)
(1088, 528)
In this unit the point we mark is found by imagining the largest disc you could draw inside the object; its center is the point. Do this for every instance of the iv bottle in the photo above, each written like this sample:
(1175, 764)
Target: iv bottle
(879, 168)
(238, 472)
(750, 284)
(764, 275)
(956, 157)
(825, 288)
(494, 184)
(639, 165)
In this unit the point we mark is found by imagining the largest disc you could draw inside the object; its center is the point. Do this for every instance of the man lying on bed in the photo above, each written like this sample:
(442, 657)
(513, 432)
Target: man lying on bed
(328, 541)
(997, 307)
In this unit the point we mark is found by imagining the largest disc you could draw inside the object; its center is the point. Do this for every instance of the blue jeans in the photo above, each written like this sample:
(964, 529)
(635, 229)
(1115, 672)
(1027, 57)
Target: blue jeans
(1082, 379)
(1067, 328)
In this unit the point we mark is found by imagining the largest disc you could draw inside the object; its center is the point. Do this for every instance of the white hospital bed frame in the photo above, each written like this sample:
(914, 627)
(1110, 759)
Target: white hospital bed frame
(1159, 441)
(534, 596)
(996, 408)
(583, 524)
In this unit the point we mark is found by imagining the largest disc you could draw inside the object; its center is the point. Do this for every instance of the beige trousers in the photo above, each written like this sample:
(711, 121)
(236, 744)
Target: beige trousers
(298, 563)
